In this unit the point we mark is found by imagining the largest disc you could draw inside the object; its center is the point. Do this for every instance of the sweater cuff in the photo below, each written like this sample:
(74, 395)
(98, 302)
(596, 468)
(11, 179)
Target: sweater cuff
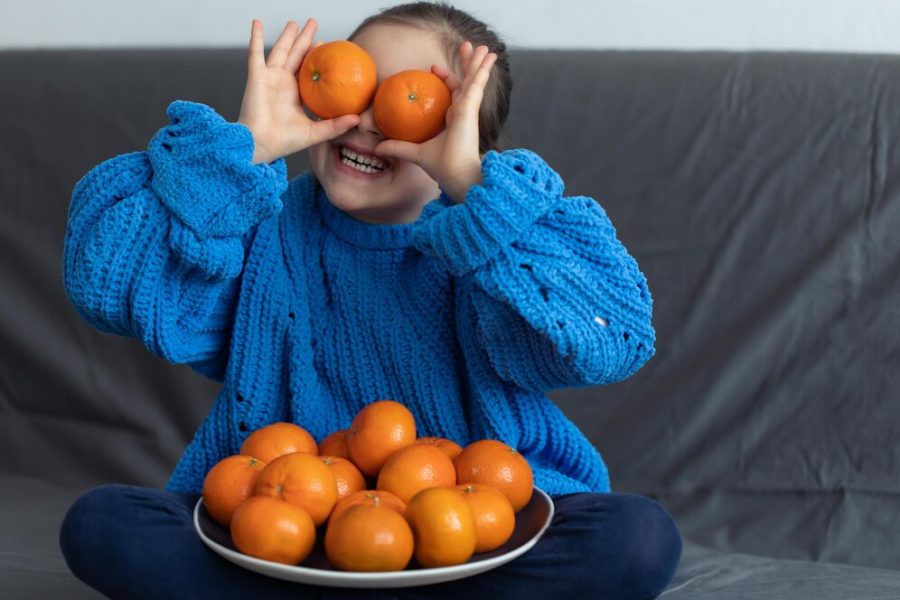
(517, 187)
(203, 172)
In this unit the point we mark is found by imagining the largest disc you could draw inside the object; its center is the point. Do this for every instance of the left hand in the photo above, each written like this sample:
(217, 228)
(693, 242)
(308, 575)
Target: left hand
(451, 158)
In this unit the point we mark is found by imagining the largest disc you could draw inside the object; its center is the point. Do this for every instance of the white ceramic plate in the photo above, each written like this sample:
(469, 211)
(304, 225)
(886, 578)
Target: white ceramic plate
(531, 522)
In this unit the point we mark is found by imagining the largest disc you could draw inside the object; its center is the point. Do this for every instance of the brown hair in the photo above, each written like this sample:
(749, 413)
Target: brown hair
(454, 27)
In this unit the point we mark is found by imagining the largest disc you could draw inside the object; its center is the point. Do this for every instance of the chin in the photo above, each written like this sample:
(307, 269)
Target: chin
(400, 187)
(348, 200)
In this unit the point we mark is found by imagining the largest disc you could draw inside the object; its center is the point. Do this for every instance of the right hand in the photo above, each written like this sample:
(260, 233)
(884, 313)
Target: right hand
(271, 107)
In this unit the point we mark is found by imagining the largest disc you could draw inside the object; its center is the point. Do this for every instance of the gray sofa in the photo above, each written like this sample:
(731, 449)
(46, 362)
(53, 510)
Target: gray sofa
(759, 194)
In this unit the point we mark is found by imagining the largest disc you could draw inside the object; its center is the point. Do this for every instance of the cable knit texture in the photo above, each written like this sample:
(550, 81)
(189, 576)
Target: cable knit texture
(468, 315)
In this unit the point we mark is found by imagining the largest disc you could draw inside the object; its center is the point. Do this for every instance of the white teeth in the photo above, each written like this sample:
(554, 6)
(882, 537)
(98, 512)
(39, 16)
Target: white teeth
(359, 167)
(365, 159)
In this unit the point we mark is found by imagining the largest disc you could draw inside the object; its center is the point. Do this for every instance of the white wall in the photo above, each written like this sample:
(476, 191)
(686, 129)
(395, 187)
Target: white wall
(827, 25)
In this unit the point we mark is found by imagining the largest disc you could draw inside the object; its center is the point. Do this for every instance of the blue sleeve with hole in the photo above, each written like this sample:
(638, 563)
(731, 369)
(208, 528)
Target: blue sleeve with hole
(559, 301)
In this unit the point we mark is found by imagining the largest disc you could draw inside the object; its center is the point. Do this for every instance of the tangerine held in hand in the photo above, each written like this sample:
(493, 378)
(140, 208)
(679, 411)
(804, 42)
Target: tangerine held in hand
(230, 482)
(277, 439)
(498, 465)
(273, 529)
(411, 105)
(337, 78)
(377, 430)
(303, 480)
(369, 537)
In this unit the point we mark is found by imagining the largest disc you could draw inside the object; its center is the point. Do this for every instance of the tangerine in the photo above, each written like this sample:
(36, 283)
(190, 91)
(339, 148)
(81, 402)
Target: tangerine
(346, 475)
(494, 516)
(377, 430)
(443, 527)
(335, 445)
(369, 537)
(273, 529)
(385, 498)
(303, 480)
(411, 105)
(498, 465)
(337, 78)
(414, 468)
(449, 447)
(277, 439)
(230, 482)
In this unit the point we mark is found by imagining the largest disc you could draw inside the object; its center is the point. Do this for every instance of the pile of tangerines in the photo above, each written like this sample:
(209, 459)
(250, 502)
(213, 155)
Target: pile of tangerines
(380, 494)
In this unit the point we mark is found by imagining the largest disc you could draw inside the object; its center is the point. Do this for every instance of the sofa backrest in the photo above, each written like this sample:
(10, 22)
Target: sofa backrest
(758, 192)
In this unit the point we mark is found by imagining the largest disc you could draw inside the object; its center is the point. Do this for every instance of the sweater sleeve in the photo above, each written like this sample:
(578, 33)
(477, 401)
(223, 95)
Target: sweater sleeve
(155, 240)
(559, 301)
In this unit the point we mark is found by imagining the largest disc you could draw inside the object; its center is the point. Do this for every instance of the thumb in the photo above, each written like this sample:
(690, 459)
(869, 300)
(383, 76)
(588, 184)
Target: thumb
(331, 128)
(398, 149)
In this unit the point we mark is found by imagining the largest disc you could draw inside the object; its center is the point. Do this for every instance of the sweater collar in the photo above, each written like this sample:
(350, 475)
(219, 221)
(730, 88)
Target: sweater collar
(362, 234)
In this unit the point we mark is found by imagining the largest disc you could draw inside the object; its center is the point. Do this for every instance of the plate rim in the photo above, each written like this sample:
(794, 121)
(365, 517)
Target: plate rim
(336, 577)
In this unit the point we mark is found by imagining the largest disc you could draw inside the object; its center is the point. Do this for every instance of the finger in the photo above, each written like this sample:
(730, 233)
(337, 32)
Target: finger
(465, 54)
(475, 59)
(278, 53)
(449, 77)
(255, 57)
(398, 149)
(474, 91)
(474, 63)
(301, 45)
(327, 129)
(480, 79)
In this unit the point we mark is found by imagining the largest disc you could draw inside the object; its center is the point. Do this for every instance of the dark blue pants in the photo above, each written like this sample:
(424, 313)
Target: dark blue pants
(135, 542)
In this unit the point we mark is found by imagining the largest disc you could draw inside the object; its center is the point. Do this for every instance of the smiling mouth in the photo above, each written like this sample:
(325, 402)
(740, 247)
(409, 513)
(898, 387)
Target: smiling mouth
(365, 163)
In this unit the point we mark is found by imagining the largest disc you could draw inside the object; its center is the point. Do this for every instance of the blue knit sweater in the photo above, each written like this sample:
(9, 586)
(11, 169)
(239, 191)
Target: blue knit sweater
(305, 314)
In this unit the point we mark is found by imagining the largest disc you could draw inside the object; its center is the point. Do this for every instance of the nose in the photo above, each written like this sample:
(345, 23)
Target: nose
(367, 122)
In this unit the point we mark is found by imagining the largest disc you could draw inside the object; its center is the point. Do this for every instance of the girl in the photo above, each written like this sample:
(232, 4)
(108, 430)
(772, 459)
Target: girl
(447, 275)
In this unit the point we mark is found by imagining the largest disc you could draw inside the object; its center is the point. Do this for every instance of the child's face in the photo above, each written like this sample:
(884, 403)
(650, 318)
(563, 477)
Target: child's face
(397, 194)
